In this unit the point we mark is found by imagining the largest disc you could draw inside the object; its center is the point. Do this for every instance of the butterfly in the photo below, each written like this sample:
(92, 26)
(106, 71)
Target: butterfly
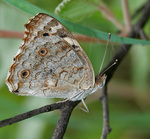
(50, 63)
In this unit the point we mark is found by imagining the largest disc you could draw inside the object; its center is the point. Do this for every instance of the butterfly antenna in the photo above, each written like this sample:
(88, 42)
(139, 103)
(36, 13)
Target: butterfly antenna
(109, 36)
(109, 67)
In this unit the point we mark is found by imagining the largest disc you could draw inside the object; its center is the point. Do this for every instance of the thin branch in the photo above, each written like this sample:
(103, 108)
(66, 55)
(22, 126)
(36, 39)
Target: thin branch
(10, 34)
(79, 37)
(63, 121)
(120, 55)
(143, 35)
(29, 114)
(110, 17)
(18, 35)
(138, 11)
(126, 14)
(35, 112)
(104, 99)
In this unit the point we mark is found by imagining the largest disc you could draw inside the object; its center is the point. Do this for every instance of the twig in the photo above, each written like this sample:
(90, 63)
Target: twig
(143, 35)
(110, 17)
(138, 11)
(10, 34)
(18, 35)
(34, 112)
(29, 114)
(62, 124)
(126, 14)
(104, 99)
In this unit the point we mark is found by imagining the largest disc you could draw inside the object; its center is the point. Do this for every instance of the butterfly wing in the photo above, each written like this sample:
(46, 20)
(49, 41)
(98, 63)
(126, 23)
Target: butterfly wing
(50, 62)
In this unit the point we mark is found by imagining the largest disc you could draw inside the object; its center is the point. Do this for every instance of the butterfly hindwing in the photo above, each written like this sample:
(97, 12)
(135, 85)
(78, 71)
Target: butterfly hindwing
(50, 62)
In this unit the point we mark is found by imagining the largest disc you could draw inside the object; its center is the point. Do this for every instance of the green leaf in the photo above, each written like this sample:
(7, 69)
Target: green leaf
(32, 9)
(76, 10)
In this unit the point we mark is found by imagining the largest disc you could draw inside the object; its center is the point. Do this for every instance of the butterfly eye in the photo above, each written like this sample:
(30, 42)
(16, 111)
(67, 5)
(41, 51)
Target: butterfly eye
(25, 73)
(42, 51)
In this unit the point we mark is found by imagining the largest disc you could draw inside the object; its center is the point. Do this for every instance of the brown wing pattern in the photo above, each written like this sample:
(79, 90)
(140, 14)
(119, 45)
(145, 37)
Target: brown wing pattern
(50, 62)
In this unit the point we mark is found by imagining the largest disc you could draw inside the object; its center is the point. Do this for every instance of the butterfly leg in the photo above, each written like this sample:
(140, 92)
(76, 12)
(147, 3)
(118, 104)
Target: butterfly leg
(83, 102)
(86, 108)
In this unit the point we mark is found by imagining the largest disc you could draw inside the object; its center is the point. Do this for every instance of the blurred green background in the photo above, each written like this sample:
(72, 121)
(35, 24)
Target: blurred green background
(128, 91)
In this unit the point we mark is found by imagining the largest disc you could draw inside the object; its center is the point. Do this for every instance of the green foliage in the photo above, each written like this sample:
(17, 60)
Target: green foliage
(29, 8)
(78, 9)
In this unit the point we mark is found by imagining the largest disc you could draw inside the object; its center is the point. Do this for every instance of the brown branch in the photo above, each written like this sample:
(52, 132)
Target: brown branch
(18, 35)
(62, 124)
(108, 14)
(59, 105)
(143, 35)
(104, 99)
(10, 34)
(126, 15)
(138, 11)
(29, 114)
